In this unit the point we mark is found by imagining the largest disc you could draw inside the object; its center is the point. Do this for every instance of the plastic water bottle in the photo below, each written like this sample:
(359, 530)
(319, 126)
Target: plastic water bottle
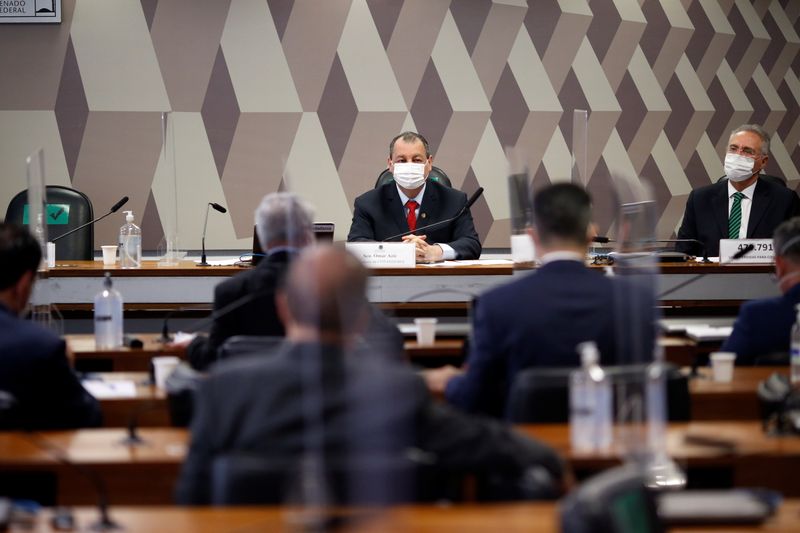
(794, 351)
(591, 423)
(130, 243)
(108, 316)
(656, 391)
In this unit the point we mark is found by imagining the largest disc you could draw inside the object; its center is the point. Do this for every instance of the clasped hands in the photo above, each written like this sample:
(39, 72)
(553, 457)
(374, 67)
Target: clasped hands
(425, 253)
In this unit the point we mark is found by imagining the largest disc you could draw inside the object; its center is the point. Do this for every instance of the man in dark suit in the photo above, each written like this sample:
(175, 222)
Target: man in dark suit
(319, 398)
(763, 326)
(742, 206)
(33, 362)
(246, 302)
(412, 201)
(539, 319)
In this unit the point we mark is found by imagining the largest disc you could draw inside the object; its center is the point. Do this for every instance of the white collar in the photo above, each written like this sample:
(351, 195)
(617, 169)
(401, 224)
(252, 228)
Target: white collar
(561, 255)
(748, 192)
(404, 199)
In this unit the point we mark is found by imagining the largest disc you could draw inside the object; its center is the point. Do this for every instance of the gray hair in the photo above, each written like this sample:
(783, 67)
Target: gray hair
(758, 130)
(786, 239)
(284, 219)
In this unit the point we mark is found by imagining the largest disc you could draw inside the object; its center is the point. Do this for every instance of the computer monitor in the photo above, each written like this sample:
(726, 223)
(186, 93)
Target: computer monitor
(323, 232)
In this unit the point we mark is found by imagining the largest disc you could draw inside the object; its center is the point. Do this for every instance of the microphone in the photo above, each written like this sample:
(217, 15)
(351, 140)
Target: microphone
(738, 255)
(472, 199)
(217, 207)
(114, 209)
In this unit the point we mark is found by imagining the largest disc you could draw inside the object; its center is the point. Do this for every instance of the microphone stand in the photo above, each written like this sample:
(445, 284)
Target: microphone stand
(203, 262)
(70, 232)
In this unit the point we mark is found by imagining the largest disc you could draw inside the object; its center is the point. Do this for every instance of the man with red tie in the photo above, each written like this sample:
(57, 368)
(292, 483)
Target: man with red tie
(412, 202)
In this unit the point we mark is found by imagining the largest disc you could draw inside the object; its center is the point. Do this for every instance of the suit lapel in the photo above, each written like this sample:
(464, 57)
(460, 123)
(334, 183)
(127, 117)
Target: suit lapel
(391, 200)
(429, 207)
(719, 205)
(761, 200)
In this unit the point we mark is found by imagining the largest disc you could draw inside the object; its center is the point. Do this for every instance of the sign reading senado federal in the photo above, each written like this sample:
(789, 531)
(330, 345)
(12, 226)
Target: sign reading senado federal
(30, 11)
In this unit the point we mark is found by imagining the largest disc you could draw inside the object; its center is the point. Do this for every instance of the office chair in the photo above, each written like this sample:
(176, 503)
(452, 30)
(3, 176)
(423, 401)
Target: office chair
(240, 345)
(777, 180)
(247, 478)
(541, 395)
(436, 174)
(67, 209)
(615, 501)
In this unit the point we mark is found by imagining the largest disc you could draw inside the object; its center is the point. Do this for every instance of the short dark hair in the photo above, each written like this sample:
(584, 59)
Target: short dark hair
(410, 136)
(786, 239)
(20, 252)
(562, 211)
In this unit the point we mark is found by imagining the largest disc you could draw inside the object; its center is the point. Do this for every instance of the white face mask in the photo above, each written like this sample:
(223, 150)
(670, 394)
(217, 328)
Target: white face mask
(738, 167)
(409, 175)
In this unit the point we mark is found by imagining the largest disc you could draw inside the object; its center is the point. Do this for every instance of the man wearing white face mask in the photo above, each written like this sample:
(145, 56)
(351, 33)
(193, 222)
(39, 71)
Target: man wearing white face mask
(743, 206)
(763, 326)
(413, 202)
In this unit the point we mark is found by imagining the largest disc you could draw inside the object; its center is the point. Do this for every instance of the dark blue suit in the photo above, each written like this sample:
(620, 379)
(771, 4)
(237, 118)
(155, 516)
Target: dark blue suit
(539, 320)
(763, 327)
(34, 368)
(379, 214)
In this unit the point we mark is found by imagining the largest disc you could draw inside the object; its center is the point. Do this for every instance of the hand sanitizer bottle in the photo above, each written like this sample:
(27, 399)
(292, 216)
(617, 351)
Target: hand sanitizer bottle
(130, 243)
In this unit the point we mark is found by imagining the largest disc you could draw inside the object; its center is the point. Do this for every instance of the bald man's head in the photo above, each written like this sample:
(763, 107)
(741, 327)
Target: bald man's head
(326, 291)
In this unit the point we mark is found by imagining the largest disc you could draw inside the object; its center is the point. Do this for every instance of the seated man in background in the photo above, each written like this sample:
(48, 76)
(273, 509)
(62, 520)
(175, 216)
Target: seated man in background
(33, 363)
(316, 398)
(539, 319)
(763, 326)
(412, 201)
(743, 206)
(284, 225)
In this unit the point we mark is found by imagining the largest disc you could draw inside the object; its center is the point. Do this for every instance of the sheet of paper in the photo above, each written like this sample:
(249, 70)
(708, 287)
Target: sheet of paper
(101, 389)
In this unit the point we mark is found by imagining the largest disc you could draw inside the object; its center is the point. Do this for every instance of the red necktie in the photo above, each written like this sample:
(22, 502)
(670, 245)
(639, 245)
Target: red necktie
(412, 214)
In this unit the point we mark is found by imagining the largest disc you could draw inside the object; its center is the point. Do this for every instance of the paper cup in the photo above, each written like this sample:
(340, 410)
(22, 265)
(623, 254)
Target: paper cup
(51, 255)
(426, 331)
(109, 254)
(163, 367)
(722, 366)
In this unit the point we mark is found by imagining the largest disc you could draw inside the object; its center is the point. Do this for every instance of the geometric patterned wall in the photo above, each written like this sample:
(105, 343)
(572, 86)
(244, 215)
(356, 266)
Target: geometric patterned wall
(305, 94)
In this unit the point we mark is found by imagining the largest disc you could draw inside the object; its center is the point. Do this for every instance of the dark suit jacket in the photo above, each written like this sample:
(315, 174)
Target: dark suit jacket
(539, 319)
(257, 317)
(34, 368)
(358, 405)
(763, 327)
(260, 317)
(378, 214)
(706, 215)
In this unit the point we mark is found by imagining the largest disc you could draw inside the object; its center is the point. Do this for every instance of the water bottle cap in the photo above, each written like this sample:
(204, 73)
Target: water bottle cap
(107, 281)
(589, 353)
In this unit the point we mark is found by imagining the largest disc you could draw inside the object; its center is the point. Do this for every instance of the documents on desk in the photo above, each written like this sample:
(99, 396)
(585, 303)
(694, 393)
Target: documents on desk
(103, 390)
(470, 262)
(708, 333)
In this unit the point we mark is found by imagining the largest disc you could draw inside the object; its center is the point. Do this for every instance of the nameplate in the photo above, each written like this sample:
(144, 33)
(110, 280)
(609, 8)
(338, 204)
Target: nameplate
(762, 251)
(384, 254)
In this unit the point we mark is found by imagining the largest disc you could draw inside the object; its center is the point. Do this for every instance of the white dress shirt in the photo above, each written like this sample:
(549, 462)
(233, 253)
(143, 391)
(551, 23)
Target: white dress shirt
(747, 203)
(448, 253)
(562, 255)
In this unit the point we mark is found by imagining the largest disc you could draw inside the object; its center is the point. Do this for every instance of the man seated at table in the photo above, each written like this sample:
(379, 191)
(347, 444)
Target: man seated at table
(539, 319)
(322, 399)
(284, 225)
(763, 326)
(412, 202)
(743, 206)
(33, 362)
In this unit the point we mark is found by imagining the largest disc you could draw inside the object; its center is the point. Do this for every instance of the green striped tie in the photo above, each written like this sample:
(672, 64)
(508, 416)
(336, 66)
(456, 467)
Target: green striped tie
(735, 218)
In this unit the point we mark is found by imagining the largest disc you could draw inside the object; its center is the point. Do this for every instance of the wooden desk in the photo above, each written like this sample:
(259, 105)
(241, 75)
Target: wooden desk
(520, 517)
(146, 474)
(737, 400)
(72, 285)
(123, 359)
(149, 407)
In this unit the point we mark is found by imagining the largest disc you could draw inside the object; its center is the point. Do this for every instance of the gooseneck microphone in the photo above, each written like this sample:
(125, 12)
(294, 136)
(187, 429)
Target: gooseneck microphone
(217, 207)
(113, 210)
(472, 199)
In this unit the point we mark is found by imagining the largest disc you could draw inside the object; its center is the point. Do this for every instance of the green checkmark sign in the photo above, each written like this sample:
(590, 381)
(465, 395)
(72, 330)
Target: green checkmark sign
(57, 214)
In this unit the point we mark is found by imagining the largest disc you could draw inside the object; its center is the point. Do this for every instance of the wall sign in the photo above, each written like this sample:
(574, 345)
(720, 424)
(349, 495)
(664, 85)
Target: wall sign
(30, 11)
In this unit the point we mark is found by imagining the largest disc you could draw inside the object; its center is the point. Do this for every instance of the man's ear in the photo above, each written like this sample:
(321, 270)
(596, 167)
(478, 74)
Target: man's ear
(282, 307)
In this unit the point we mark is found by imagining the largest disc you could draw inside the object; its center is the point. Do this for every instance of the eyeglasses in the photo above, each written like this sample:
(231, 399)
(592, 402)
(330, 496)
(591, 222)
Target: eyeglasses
(743, 150)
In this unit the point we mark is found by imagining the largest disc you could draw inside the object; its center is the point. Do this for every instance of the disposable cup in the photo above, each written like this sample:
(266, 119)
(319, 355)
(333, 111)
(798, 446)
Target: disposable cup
(426, 331)
(722, 366)
(163, 367)
(109, 254)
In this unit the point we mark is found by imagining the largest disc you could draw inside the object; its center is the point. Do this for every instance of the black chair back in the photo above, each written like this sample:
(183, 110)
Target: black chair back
(251, 479)
(541, 395)
(67, 209)
(436, 174)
